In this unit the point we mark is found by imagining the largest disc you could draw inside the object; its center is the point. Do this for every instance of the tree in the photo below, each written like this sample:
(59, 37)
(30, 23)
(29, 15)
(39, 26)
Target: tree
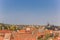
(12, 27)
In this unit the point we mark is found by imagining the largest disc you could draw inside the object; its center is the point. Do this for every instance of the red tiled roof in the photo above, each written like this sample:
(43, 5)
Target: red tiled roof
(24, 37)
(5, 31)
(22, 31)
(25, 31)
(1, 38)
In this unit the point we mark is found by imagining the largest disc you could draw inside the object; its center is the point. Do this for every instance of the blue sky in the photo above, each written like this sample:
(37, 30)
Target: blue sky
(30, 11)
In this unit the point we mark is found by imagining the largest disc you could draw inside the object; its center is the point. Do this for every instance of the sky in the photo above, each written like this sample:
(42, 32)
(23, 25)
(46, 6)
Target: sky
(38, 12)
